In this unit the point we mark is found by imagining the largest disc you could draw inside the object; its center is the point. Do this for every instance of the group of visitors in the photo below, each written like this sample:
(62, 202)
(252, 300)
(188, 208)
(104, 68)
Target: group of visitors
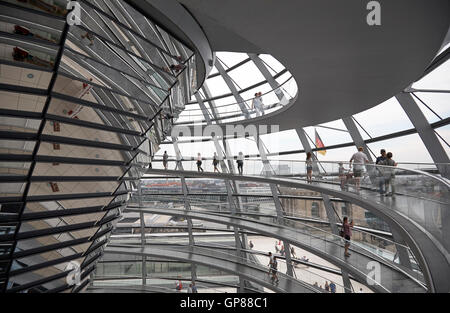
(191, 289)
(215, 163)
(273, 263)
(386, 173)
(331, 287)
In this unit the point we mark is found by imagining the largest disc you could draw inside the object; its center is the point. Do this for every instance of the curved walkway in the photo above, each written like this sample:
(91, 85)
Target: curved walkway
(330, 249)
(223, 261)
(431, 258)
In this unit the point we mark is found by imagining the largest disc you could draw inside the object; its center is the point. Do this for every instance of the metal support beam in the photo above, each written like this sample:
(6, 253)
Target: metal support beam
(143, 241)
(267, 169)
(401, 250)
(347, 282)
(233, 89)
(426, 133)
(269, 78)
(280, 217)
(356, 136)
(238, 243)
(331, 214)
(307, 148)
(211, 103)
(434, 147)
(187, 204)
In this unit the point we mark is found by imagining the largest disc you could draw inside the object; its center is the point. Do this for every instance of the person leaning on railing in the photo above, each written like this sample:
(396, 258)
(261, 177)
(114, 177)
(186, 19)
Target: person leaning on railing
(382, 181)
(389, 173)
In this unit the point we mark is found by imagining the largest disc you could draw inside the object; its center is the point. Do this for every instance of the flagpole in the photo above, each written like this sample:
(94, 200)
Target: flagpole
(315, 135)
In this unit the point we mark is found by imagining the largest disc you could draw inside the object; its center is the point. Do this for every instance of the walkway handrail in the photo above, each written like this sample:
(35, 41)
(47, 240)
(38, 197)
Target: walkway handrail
(261, 253)
(437, 178)
(329, 237)
(250, 99)
(213, 254)
(367, 204)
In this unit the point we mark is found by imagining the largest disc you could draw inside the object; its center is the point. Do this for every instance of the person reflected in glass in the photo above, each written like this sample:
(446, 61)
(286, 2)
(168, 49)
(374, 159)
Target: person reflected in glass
(90, 37)
(199, 163)
(309, 167)
(389, 174)
(165, 160)
(215, 163)
(240, 163)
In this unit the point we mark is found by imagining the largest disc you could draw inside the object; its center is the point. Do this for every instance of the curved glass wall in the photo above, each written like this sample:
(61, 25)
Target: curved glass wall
(84, 108)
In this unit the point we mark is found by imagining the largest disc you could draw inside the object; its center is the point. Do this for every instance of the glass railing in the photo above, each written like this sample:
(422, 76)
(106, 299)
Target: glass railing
(373, 243)
(249, 262)
(302, 274)
(324, 241)
(267, 103)
(422, 197)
